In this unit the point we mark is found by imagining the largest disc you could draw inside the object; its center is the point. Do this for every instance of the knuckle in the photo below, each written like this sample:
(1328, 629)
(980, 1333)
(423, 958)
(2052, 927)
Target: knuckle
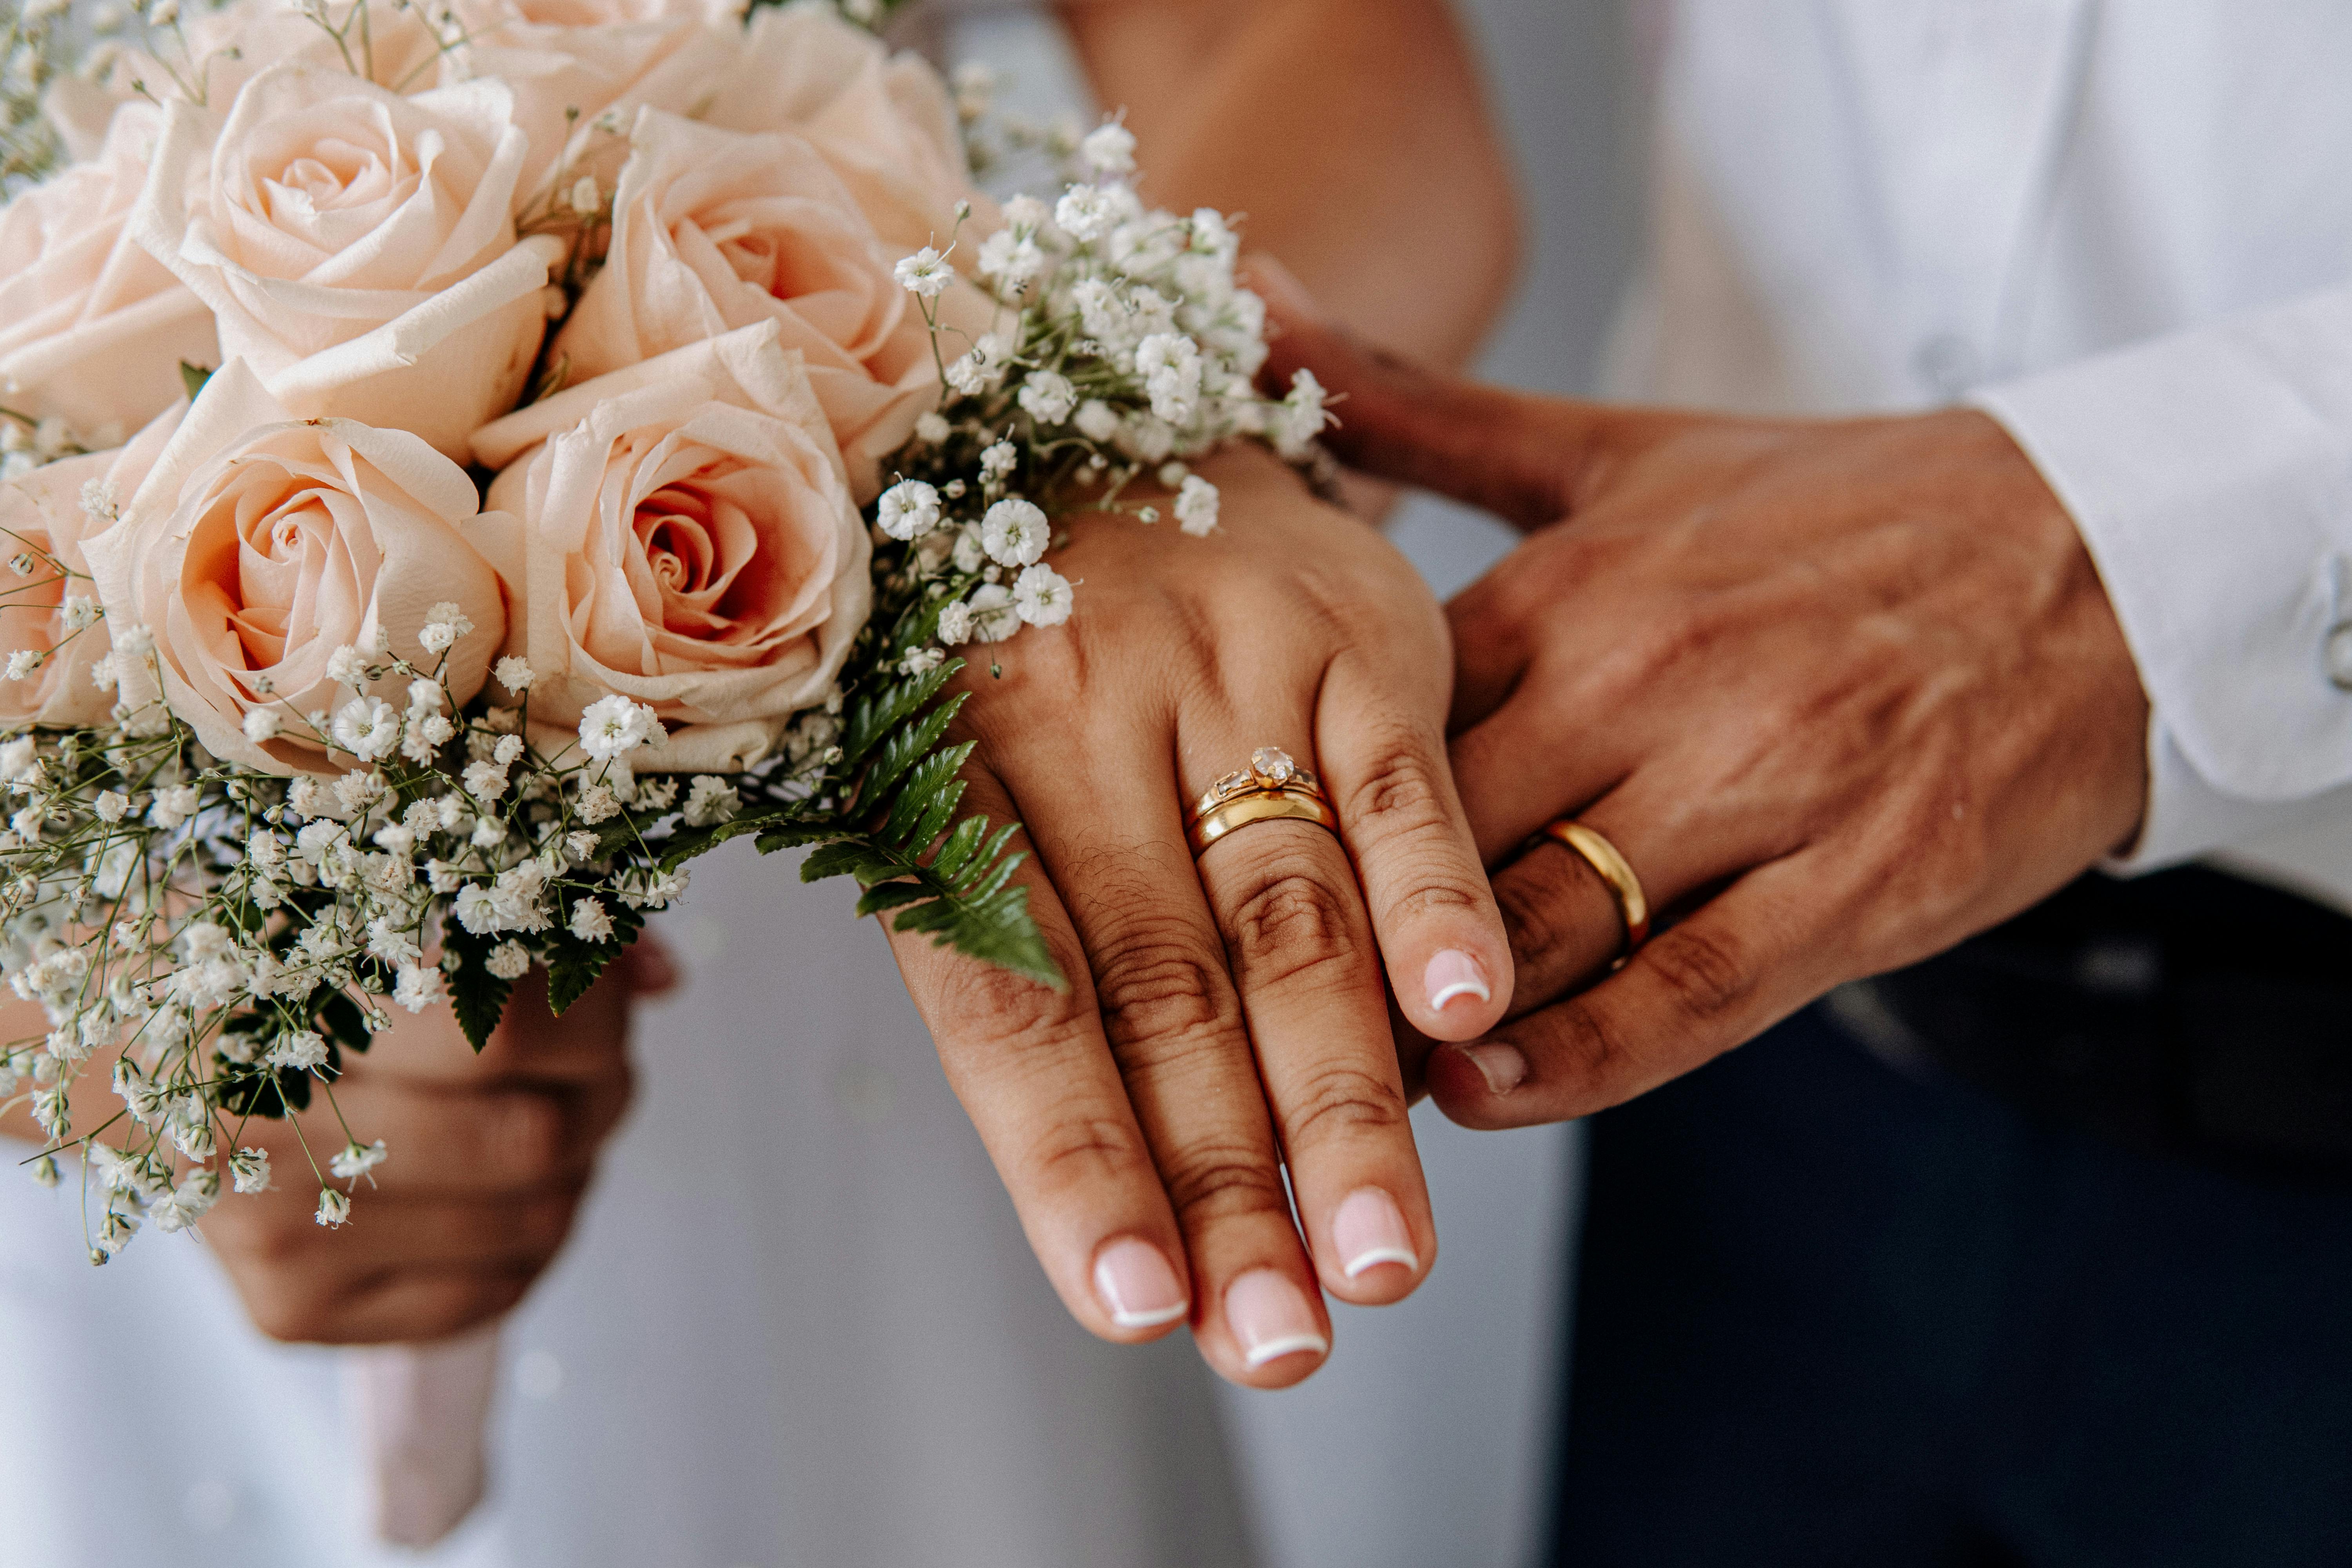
(1535, 900)
(1706, 971)
(1288, 924)
(1399, 794)
(1084, 1153)
(1217, 1180)
(1338, 1101)
(1161, 984)
(1012, 1013)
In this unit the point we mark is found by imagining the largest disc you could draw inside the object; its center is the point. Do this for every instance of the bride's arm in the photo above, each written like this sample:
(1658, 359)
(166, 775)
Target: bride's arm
(1354, 135)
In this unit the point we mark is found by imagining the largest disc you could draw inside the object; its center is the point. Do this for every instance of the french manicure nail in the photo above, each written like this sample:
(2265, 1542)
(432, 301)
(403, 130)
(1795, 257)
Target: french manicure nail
(1271, 1318)
(1502, 1067)
(1452, 973)
(1369, 1230)
(1137, 1286)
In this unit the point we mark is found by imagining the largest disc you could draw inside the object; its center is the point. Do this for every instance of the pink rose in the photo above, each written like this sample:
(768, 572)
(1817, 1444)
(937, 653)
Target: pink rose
(680, 533)
(258, 545)
(884, 122)
(394, 45)
(358, 247)
(714, 230)
(93, 329)
(581, 70)
(43, 516)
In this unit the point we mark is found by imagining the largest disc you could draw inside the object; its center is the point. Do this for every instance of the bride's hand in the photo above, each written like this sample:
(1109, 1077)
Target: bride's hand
(1227, 1017)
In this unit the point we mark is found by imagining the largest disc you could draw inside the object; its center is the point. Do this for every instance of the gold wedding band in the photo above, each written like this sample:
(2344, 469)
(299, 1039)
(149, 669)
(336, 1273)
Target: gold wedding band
(1273, 788)
(1632, 904)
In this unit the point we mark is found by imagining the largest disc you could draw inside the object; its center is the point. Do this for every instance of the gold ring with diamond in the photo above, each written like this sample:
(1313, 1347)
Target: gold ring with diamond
(1273, 788)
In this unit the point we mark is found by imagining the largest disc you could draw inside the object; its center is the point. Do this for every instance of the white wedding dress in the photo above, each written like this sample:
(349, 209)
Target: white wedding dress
(797, 1325)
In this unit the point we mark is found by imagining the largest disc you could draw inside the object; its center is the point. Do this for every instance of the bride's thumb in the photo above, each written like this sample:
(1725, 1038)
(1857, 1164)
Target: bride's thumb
(1512, 454)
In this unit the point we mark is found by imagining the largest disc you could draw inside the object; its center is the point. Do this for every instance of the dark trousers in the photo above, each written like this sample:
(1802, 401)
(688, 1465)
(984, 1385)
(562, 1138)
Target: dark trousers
(1833, 1313)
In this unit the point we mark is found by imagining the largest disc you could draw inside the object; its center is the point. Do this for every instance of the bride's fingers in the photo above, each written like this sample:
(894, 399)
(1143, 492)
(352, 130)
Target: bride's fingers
(1112, 839)
(1304, 958)
(1033, 1070)
(1434, 918)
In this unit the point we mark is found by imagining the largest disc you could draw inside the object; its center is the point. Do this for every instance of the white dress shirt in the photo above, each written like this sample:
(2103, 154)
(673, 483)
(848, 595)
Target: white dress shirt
(2123, 227)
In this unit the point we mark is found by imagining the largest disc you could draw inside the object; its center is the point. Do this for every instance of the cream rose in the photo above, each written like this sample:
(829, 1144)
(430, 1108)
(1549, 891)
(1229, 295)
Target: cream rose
(394, 45)
(259, 544)
(884, 122)
(581, 70)
(45, 517)
(357, 248)
(92, 329)
(714, 230)
(680, 533)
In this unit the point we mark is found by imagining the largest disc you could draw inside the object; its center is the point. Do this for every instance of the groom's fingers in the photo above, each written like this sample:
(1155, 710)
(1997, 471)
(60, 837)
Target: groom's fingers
(1742, 962)
(1035, 1074)
(1522, 457)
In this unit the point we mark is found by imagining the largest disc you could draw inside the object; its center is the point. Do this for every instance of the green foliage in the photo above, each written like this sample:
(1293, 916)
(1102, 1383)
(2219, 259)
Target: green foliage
(961, 894)
(193, 377)
(477, 996)
(573, 965)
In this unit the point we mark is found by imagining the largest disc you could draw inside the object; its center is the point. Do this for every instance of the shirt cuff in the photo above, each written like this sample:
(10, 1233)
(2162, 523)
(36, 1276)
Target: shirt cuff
(2210, 475)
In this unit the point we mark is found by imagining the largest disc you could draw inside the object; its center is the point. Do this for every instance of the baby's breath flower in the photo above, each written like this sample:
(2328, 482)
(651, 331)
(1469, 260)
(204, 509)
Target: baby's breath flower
(614, 726)
(1196, 506)
(932, 428)
(1109, 149)
(1048, 397)
(589, 921)
(908, 510)
(1014, 531)
(513, 673)
(301, 1051)
(712, 800)
(261, 724)
(1040, 596)
(248, 1170)
(925, 274)
(508, 960)
(597, 804)
(22, 663)
(416, 988)
(1097, 420)
(444, 625)
(357, 1160)
(334, 1208)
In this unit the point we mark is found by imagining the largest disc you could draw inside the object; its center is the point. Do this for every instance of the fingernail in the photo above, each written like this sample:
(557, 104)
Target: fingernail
(1137, 1285)
(1271, 1318)
(1452, 973)
(1369, 1230)
(1502, 1067)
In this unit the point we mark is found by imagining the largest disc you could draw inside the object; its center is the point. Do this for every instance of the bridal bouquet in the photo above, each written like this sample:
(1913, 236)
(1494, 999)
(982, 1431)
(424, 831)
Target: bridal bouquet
(459, 461)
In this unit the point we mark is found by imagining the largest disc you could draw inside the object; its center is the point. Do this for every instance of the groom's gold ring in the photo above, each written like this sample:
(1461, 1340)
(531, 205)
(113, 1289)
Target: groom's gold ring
(1273, 788)
(1632, 904)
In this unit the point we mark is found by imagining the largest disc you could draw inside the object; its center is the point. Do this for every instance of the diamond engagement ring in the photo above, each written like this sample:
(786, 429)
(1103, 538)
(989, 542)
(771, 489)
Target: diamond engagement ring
(1273, 788)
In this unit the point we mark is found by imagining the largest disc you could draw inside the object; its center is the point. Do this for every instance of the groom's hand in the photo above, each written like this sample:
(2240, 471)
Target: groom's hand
(1843, 693)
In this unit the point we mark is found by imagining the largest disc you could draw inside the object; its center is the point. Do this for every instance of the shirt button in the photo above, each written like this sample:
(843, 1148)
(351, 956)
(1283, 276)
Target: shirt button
(2339, 657)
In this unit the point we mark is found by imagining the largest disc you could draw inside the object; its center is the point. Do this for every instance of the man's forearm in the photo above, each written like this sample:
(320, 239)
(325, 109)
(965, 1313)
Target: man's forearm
(1353, 135)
